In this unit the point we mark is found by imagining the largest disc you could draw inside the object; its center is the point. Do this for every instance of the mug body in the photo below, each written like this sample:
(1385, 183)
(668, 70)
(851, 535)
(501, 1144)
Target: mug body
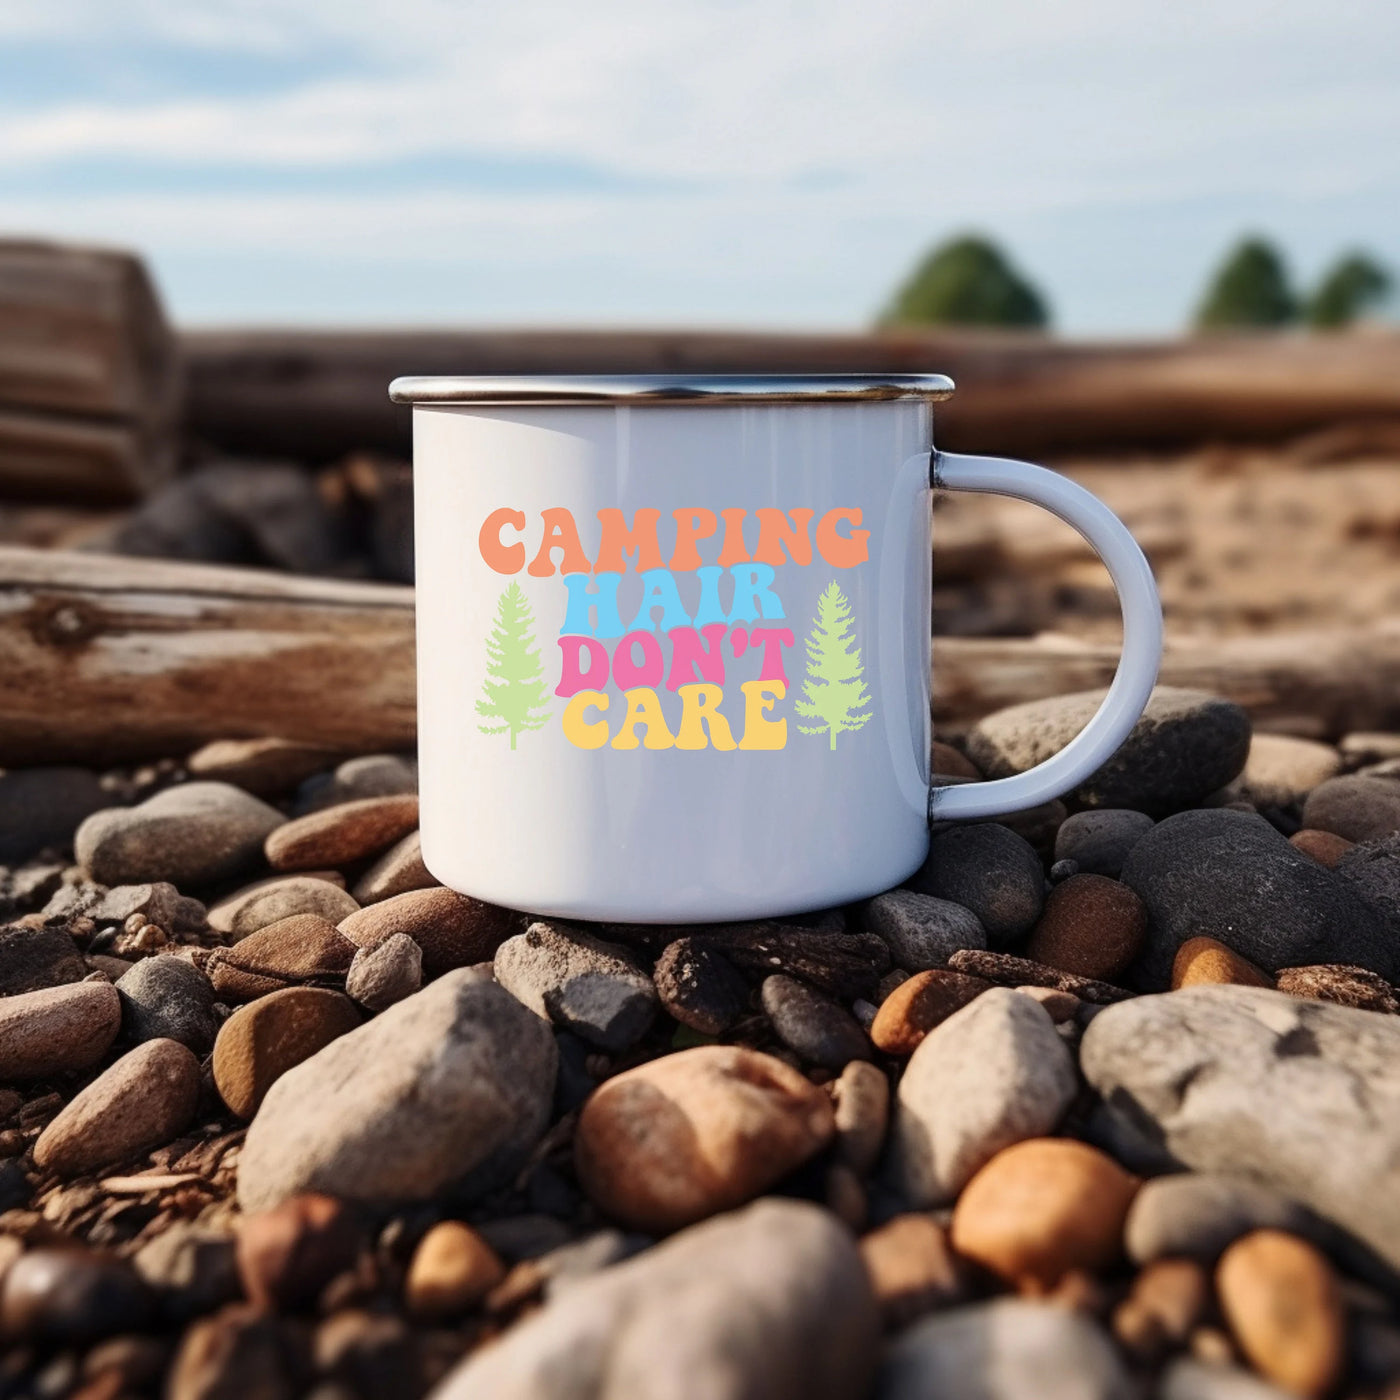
(673, 658)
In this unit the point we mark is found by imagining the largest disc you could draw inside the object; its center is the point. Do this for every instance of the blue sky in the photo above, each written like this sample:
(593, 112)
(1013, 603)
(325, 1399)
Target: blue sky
(707, 162)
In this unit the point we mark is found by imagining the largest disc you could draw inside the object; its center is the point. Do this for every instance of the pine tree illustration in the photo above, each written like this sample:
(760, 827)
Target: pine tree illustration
(833, 691)
(514, 690)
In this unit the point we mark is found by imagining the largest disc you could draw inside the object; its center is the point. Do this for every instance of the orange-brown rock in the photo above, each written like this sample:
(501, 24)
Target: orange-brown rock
(336, 836)
(1042, 1208)
(260, 1042)
(1168, 1298)
(1203, 960)
(453, 930)
(1283, 1304)
(453, 1269)
(920, 1003)
(1325, 847)
(300, 951)
(1092, 926)
(683, 1137)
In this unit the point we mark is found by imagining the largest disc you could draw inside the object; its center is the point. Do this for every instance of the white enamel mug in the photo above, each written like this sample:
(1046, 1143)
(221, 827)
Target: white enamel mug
(673, 639)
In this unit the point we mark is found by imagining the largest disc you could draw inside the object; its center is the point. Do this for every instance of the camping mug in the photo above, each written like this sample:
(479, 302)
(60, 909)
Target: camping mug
(673, 639)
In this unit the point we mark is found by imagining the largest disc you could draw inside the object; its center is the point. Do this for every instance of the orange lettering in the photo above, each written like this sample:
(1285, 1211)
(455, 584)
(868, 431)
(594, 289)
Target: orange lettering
(617, 537)
(504, 558)
(774, 532)
(842, 551)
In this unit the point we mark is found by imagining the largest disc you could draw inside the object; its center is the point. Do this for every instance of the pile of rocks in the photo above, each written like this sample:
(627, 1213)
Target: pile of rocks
(1101, 1103)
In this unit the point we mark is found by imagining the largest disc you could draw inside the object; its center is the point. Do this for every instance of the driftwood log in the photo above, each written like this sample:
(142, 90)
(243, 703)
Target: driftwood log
(89, 375)
(317, 395)
(106, 660)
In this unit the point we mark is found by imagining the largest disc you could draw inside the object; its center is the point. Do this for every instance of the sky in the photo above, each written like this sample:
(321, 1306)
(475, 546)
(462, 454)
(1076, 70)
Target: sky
(776, 163)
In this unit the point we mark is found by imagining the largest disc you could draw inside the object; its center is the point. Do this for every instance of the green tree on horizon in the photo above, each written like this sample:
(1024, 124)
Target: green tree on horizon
(967, 281)
(514, 691)
(833, 692)
(1249, 289)
(1353, 284)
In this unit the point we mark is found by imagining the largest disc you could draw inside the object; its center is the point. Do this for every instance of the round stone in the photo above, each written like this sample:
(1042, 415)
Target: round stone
(270, 901)
(453, 930)
(1043, 1208)
(816, 1028)
(168, 998)
(912, 1268)
(453, 1269)
(1325, 847)
(1281, 770)
(34, 958)
(1355, 807)
(399, 870)
(1092, 926)
(57, 1029)
(260, 1042)
(347, 832)
(677, 1139)
(385, 972)
(990, 870)
(862, 1100)
(920, 930)
(920, 1003)
(264, 767)
(287, 1255)
(1284, 1306)
(1186, 745)
(192, 834)
(1202, 960)
(947, 762)
(147, 1098)
(69, 1296)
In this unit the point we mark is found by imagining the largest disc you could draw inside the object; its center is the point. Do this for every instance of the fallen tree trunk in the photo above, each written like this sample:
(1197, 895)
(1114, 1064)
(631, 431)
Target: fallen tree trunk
(107, 660)
(317, 395)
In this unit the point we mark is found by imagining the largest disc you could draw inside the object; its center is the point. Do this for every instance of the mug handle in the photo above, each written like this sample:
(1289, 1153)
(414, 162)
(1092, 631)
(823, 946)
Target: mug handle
(1132, 684)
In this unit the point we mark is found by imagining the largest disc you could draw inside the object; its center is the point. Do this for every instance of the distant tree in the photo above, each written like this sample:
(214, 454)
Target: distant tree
(1250, 289)
(514, 691)
(1354, 284)
(966, 282)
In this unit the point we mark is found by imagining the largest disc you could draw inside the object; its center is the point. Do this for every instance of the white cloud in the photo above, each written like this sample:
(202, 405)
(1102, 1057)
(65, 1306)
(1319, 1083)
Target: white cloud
(926, 114)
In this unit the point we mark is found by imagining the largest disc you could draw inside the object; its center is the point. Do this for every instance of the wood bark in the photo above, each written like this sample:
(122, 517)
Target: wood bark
(317, 395)
(90, 387)
(106, 660)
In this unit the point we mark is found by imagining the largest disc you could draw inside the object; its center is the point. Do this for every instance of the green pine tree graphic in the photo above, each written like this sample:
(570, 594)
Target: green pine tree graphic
(514, 690)
(833, 691)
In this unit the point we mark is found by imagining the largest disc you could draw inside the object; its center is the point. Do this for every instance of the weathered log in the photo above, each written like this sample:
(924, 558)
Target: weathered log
(107, 660)
(317, 395)
(90, 386)
(1314, 684)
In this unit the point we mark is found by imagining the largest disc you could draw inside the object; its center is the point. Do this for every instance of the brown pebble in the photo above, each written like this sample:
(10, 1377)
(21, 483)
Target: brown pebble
(68, 1295)
(264, 767)
(453, 930)
(147, 1098)
(267, 902)
(1007, 970)
(453, 1269)
(1168, 1299)
(260, 1042)
(1204, 960)
(861, 1097)
(1091, 927)
(302, 950)
(912, 1268)
(1325, 847)
(1344, 986)
(681, 1138)
(240, 1353)
(288, 1254)
(1042, 1208)
(399, 870)
(336, 836)
(920, 1003)
(1284, 1307)
(57, 1028)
